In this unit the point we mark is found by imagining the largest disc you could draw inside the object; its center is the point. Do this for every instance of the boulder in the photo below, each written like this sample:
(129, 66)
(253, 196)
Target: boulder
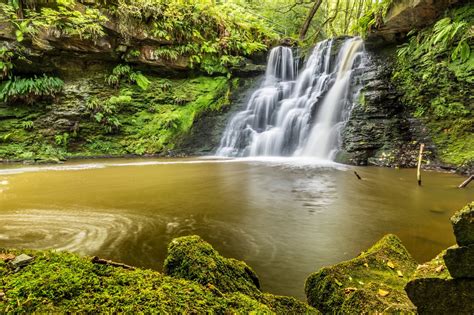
(192, 258)
(370, 283)
(460, 261)
(434, 291)
(463, 225)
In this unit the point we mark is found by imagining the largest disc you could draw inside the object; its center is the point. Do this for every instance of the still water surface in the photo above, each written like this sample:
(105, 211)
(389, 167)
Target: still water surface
(285, 218)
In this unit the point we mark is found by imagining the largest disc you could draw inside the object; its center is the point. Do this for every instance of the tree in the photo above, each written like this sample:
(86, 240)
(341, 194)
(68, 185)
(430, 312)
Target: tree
(309, 18)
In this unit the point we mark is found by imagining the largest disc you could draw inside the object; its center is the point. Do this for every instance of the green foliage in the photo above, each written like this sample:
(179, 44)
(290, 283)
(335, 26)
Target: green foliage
(62, 140)
(372, 17)
(435, 69)
(435, 73)
(28, 125)
(174, 105)
(125, 72)
(29, 90)
(104, 111)
(212, 37)
(6, 64)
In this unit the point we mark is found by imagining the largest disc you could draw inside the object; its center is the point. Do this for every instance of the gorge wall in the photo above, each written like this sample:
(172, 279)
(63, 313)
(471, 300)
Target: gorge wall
(185, 109)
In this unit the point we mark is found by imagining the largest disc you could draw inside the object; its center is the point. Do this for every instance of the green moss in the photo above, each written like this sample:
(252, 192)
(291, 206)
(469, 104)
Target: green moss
(142, 122)
(192, 258)
(199, 281)
(62, 282)
(434, 73)
(350, 285)
(454, 140)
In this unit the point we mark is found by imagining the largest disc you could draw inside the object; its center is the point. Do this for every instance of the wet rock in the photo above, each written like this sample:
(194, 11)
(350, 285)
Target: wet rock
(463, 225)
(434, 291)
(192, 258)
(21, 260)
(380, 131)
(460, 261)
(372, 282)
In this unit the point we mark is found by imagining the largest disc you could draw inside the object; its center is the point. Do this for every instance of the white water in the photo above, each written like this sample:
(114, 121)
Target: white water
(300, 116)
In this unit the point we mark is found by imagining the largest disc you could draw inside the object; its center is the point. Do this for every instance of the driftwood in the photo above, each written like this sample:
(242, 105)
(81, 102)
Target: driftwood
(418, 171)
(97, 260)
(358, 176)
(466, 182)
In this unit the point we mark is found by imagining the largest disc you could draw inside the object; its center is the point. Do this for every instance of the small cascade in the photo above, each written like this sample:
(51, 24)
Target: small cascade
(303, 116)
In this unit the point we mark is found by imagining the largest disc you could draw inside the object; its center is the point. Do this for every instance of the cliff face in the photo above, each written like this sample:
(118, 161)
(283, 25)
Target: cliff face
(180, 111)
(406, 15)
(416, 92)
(380, 130)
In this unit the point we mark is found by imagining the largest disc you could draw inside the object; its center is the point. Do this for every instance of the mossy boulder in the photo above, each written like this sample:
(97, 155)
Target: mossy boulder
(192, 258)
(463, 225)
(62, 282)
(434, 291)
(372, 282)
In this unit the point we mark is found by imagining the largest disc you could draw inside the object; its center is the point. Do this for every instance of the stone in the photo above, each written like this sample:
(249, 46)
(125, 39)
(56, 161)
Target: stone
(21, 260)
(463, 225)
(460, 261)
(192, 258)
(355, 286)
(434, 291)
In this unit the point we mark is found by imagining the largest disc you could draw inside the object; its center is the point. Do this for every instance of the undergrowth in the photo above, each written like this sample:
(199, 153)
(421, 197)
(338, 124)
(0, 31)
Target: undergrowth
(435, 74)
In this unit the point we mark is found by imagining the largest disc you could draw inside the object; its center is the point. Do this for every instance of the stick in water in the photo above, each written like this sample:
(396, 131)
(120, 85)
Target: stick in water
(466, 182)
(358, 177)
(418, 171)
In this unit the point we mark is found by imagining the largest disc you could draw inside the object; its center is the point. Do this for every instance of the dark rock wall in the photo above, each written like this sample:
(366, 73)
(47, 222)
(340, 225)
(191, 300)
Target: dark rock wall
(379, 130)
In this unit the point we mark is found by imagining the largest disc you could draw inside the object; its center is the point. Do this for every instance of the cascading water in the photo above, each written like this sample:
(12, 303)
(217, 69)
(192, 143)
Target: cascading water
(302, 117)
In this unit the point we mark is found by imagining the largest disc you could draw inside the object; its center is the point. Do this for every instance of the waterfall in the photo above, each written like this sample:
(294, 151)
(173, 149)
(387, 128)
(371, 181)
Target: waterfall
(303, 116)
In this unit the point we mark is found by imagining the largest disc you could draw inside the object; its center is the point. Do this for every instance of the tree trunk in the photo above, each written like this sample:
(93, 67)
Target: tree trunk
(309, 18)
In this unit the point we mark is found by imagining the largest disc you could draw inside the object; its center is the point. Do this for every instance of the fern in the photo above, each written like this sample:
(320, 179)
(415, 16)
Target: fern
(29, 90)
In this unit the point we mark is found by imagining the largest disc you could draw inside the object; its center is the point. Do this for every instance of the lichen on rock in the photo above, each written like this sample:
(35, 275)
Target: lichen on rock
(371, 282)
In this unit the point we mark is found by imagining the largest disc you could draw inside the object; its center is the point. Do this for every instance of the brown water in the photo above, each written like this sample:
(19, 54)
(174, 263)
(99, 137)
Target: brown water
(284, 218)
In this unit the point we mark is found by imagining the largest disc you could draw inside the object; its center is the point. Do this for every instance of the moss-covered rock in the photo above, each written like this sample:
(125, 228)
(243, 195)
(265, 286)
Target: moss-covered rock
(63, 282)
(162, 120)
(463, 225)
(434, 291)
(372, 282)
(192, 258)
